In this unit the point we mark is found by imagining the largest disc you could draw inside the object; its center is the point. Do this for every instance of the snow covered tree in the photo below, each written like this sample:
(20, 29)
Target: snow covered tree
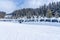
(56, 14)
(49, 13)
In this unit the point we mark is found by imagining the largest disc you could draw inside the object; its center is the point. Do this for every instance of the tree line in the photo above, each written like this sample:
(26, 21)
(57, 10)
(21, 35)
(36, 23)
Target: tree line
(50, 10)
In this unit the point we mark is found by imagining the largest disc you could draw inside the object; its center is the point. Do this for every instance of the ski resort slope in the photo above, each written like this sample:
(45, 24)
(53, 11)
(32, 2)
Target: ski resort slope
(16, 31)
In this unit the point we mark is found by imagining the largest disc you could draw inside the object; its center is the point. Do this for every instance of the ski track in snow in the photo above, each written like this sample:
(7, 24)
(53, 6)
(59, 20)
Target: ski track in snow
(24, 31)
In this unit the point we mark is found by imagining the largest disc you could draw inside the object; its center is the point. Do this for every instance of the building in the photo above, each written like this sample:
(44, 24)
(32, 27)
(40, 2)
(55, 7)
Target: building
(8, 16)
(2, 14)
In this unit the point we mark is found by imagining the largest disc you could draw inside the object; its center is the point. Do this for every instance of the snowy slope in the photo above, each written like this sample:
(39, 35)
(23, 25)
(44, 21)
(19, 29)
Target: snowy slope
(16, 31)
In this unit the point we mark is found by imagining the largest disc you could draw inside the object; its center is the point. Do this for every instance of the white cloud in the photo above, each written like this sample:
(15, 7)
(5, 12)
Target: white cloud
(36, 3)
(7, 6)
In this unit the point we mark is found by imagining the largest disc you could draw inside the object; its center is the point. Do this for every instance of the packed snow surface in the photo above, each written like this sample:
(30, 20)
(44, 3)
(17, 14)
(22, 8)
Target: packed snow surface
(24, 31)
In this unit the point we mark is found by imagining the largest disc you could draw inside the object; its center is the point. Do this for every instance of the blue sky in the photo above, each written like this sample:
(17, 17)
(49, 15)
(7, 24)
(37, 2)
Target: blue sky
(11, 5)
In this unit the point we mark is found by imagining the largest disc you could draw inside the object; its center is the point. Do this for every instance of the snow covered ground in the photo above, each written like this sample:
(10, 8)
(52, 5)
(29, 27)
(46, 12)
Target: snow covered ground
(30, 31)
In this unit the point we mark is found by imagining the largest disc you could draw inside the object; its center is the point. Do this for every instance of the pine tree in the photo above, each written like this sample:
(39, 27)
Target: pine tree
(56, 14)
(49, 13)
